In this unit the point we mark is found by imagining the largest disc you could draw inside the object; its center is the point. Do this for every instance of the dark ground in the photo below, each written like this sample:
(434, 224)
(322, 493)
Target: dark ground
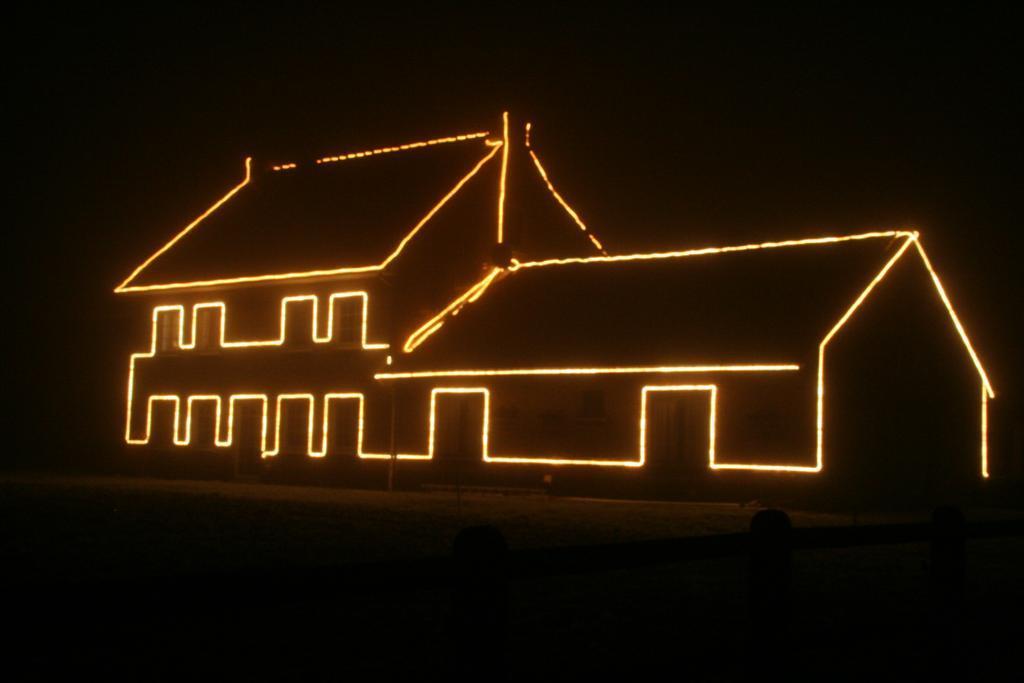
(856, 613)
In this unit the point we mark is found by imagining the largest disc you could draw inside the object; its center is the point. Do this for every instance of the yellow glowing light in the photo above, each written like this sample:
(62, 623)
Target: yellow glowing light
(434, 324)
(987, 392)
(504, 172)
(123, 287)
(401, 148)
(310, 400)
(224, 437)
(910, 237)
(315, 333)
(712, 400)
(188, 415)
(149, 418)
(180, 343)
(565, 205)
(180, 439)
(309, 423)
(703, 251)
(330, 398)
(984, 432)
(232, 400)
(956, 320)
(820, 419)
(623, 370)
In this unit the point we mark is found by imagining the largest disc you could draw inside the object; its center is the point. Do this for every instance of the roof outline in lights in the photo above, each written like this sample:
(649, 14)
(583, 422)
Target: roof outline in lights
(491, 148)
(909, 238)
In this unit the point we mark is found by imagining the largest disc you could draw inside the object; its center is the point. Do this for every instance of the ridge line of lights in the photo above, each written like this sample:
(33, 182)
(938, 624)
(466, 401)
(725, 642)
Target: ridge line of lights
(436, 322)
(709, 250)
(123, 287)
(504, 172)
(304, 274)
(401, 148)
(611, 370)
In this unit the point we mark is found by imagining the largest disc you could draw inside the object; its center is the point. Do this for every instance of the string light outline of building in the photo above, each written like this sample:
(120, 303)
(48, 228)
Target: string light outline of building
(125, 286)
(179, 311)
(910, 238)
(476, 291)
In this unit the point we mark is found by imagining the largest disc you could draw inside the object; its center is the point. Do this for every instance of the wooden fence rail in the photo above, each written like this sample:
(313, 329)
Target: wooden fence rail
(481, 567)
(946, 535)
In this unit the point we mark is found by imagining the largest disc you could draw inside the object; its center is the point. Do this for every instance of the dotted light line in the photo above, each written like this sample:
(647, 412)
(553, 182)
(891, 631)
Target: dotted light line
(401, 148)
(565, 205)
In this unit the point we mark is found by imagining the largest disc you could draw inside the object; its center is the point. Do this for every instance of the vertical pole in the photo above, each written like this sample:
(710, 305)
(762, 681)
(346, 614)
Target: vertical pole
(948, 560)
(478, 622)
(393, 442)
(459, 455)
(947, 580)
(458, 489)
(388, 292)
(770, 573)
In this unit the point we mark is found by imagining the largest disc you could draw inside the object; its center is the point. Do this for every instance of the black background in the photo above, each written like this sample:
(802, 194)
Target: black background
(664, 127)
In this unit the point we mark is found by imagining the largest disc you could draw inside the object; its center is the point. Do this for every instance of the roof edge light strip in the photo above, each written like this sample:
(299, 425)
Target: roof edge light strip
(504, 172)
(400, 148)
(123, 287)
(564, 204)
(712, 250)
(956, 320)
(303, 274)
(435, 323)
(820, 393)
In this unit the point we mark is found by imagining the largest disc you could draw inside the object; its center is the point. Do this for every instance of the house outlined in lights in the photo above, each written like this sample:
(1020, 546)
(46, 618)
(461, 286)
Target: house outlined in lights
(441, 303)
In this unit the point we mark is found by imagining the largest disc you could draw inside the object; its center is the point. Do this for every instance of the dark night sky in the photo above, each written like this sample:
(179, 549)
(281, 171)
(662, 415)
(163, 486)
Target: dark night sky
(665, 128)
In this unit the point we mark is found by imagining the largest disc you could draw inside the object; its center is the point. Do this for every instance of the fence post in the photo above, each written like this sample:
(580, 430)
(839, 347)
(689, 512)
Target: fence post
(770, 569)
(478, 623)
(947, 578)
(948, 560)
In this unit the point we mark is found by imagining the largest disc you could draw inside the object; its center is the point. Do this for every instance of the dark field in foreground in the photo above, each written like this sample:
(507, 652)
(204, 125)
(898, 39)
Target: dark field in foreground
(856, 612)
